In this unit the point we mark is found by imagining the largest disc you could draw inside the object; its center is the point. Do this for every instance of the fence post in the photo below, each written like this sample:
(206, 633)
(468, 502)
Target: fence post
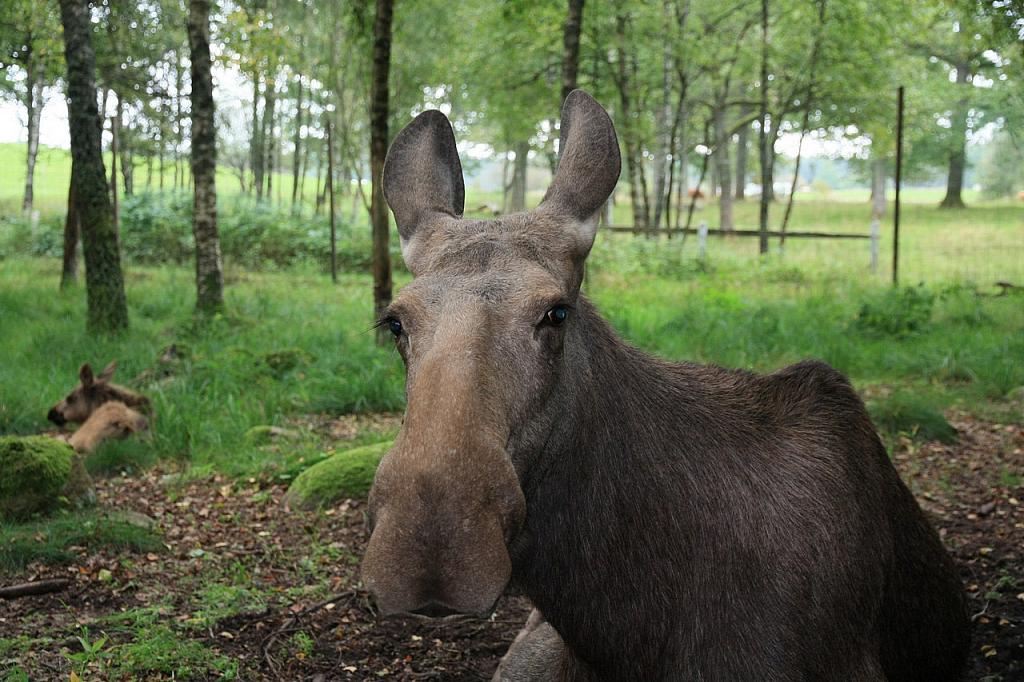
(875, 235)
(899, 176)
(702, 240)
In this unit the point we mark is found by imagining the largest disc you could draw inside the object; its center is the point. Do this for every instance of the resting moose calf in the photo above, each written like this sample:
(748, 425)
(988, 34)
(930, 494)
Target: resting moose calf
(668, 521)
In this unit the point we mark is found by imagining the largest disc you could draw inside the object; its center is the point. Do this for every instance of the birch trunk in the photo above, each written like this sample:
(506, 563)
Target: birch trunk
(209, 275)
(34, 107)
(107, 309)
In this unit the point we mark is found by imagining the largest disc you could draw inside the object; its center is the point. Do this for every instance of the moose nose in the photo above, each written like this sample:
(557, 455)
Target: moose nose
(434, 610)
(56, 417)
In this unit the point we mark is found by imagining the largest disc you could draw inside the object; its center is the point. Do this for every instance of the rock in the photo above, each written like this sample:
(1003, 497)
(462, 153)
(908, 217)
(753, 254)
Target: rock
(35, 470)
(986, 509)
(346, 474)
(259, 435)
(132, 518)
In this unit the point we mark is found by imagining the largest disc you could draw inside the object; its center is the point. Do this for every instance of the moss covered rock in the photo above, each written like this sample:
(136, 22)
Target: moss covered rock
(36, 470)
(346, 474)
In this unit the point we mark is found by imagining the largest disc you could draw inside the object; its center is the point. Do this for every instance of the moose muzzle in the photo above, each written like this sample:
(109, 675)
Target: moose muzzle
(442, 519)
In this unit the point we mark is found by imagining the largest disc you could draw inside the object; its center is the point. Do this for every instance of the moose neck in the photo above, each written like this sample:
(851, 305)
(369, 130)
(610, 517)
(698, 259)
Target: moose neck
(616, 455)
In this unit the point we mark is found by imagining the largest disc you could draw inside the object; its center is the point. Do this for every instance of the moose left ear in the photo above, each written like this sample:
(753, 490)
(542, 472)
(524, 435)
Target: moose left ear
(588, 166)
(85, 375)
(423, 179)
(108, 372)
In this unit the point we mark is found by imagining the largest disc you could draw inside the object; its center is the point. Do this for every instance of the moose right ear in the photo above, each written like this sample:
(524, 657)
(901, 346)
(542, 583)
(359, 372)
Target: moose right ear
(423, 178)
(108, 372)
(85, 375)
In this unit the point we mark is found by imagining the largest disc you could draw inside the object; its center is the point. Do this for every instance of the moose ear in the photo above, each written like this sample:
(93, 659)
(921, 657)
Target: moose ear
(108, 372)
(85, 375)
(588, 166)
(423, 178)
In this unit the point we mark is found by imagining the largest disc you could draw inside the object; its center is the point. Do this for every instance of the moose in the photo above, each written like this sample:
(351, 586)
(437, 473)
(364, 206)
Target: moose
(111, 420)
(667, 521)
(91, 392)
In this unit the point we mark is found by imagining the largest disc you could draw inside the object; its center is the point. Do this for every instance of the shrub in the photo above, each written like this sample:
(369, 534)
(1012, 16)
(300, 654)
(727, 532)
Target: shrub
(897, 312)
(346, 474)
(35, 471)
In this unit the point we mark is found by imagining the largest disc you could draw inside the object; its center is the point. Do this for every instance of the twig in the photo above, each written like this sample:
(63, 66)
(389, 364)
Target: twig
(33, 588)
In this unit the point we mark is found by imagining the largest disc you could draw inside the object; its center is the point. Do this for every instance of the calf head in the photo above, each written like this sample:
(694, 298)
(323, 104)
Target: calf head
(111, 420)
(91, 392)
(484, 329)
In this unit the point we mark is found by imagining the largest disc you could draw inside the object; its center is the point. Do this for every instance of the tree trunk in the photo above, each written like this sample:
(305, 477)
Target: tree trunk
(634, 159)
(124, 143)
(107, 309)
(571, 46)
(318, 199)
(330, 203)
(517, 197)
(723, 169)
(209, 276)
(297, 154)
(763, 136)
(72, 227)
(34, 107)
(179, 132)
(379, 106)
(742, 152)
(663, 118)
(958, 151)
(256, 150)
(114, 149)
(269, 104)
(878, 203)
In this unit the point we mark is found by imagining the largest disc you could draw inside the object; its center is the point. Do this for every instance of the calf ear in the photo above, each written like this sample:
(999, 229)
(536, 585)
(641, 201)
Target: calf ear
(423, 179)
(108, 372)
(85, 375)
(588, 166)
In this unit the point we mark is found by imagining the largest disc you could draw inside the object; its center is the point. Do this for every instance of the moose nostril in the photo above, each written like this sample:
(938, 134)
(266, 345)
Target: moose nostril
(434, 610)
(55, 417)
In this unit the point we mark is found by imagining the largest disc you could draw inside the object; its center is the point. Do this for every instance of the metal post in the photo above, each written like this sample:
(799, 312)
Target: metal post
(876, 233)
(896, 209)
(702, 240)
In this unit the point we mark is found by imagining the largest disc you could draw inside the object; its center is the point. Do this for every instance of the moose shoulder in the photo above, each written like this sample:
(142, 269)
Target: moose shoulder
(668, 521)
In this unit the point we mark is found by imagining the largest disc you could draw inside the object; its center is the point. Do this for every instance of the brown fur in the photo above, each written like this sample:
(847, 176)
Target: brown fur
(110, 420)
(90, 393)
(669, 521)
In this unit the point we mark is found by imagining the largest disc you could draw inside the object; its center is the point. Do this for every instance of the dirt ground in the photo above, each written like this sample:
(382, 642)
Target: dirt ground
(309, 621)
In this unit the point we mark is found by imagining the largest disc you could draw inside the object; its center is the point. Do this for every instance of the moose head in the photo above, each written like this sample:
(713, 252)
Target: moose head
(91, 392)
(113, 420)
(486, 332)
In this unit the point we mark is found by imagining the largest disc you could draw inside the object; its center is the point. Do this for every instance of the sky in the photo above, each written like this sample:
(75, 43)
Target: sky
(232, 91)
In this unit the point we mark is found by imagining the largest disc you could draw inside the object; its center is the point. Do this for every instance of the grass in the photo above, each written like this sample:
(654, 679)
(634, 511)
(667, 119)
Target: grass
(292, 344)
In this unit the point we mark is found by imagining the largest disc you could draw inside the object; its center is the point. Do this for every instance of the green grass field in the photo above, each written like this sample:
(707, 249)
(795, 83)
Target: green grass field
(292, 344)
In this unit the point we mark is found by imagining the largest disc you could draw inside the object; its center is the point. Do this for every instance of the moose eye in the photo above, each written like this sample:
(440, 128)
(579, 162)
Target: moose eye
(395, 326)
(557, 315)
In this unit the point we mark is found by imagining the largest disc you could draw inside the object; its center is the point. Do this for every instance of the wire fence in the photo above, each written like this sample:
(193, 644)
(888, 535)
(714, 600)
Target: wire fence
(979, 246)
